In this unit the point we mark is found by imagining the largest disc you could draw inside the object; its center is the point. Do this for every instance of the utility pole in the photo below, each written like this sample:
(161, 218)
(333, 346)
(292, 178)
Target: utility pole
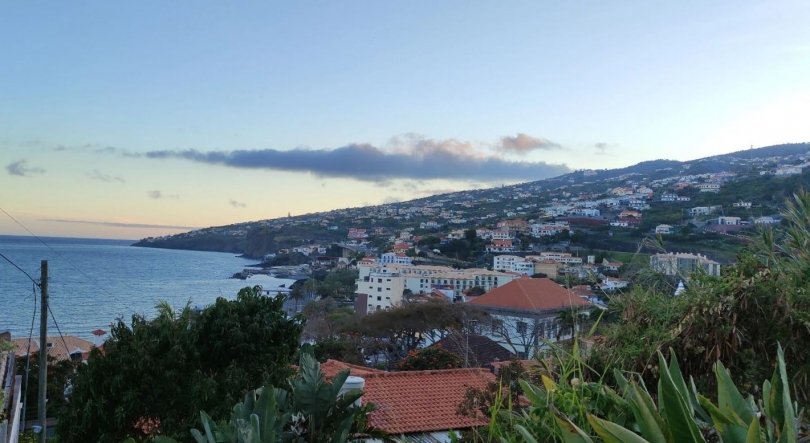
(43, 351)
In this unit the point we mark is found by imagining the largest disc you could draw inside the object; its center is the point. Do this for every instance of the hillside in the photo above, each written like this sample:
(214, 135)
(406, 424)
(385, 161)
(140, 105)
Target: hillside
(754, 170)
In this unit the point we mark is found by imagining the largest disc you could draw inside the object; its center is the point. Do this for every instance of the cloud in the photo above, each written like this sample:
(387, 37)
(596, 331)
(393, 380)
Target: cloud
(522, 144)
(158, 195)
(602, 148)
(100, 176)
(120, 225)
(21, 169)
(390, 199)
(413, 158)
(237, 204)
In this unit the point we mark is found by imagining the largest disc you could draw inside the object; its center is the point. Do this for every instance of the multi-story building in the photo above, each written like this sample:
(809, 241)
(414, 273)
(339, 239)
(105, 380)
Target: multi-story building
(380, 291)
(504, 262)
(395, 258)
(683, 264)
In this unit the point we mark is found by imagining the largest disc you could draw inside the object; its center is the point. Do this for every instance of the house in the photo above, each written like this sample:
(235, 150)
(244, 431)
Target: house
(611, 284)
(728, 220)
(765, 220)
(709, 187)
(396, 258)
(788, 170)
(701, 210)
(742, 204)
(504, 262)
(664, 229)
(611, 265)
(417, 405)
(525, 313)
(477, 351)
(500, 246)
(65, 347)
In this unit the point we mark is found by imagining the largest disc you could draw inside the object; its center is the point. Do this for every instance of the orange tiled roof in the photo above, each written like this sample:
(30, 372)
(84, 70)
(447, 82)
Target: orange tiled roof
(530, 294)
(422, 401)
(330, 368)
(57, 349)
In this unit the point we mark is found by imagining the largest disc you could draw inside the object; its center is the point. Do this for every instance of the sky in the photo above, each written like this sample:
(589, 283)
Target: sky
(129, 120)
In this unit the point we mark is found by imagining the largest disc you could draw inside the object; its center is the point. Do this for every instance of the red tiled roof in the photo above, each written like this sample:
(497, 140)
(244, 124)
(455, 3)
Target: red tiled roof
(530, 294)
(61, 347)
(331, 368)
(422, 401)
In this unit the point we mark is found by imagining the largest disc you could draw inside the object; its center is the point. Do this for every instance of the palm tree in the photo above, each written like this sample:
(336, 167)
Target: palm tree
(297, 294)
(567, 320)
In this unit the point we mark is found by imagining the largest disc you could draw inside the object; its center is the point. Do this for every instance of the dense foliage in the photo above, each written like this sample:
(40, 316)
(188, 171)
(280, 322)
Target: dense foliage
(60, 376)
(155, 375)
(433, 357)
(308, 409)
(762, 300)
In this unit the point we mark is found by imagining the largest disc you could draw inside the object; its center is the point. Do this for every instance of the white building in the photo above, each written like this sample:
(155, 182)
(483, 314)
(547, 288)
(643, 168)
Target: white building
(788, 170)
(395, 258)
(728, 220)
(383, 291)
(504, 262)
(683, 264)
(742, 204)
(524, 314)
(664, 229)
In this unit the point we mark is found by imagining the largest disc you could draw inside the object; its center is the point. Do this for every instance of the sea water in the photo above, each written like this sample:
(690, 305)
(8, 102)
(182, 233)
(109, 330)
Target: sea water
(93, 282)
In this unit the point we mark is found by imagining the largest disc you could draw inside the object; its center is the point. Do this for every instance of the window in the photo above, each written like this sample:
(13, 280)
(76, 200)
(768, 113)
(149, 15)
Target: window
(497, 327)
(379, 298)
(379, 280)
(379, 289)
(387, 279)
(522, 327)
(387, 289)
(379, 307)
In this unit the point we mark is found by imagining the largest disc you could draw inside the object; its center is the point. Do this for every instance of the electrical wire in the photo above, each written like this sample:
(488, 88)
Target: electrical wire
(59, 330)
(56, 252)
(60, 256)
(19, 268)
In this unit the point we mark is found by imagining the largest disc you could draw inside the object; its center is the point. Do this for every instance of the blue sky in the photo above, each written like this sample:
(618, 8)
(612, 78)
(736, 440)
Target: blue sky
(131, 113)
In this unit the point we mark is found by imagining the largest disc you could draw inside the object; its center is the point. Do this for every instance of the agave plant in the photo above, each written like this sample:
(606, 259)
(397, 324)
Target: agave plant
(683, 415)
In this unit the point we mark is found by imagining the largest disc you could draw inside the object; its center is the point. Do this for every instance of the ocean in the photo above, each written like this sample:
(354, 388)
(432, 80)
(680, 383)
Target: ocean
(93, 282)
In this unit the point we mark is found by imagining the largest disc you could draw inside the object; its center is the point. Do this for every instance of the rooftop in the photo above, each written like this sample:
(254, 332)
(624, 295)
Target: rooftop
(530, 294)
(422, 401)
(61, 347)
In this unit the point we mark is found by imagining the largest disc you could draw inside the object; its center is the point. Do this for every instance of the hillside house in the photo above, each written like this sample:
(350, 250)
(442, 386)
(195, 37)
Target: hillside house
(525, 312)
(664, 229)
(500, 246)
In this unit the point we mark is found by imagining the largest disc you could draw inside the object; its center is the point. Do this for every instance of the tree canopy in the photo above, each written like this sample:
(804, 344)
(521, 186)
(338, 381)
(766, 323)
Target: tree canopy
(154, 376)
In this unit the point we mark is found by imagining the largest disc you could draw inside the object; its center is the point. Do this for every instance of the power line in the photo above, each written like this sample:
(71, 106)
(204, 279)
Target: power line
(58, 330)
(19, 268)
(57, 253)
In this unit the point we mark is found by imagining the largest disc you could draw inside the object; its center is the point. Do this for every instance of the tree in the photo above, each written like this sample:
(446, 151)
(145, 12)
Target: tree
(307, 409)
(60, 376)
(297, 294)
(433, 357)
(340, 348)
(475, 291)
(154, 374)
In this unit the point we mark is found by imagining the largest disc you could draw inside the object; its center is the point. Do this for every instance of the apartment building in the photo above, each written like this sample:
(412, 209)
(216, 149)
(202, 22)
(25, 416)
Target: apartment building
(684, 264)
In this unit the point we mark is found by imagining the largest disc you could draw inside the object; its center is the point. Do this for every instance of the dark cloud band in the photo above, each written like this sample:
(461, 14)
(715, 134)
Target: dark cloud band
(119, 225)
(425, 160)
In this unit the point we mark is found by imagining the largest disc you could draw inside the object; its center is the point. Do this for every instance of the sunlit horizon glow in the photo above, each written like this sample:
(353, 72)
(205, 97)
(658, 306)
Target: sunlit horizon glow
(137, 120)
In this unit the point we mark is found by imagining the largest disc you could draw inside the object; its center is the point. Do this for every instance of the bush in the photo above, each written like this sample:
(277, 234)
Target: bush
(433, 357)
